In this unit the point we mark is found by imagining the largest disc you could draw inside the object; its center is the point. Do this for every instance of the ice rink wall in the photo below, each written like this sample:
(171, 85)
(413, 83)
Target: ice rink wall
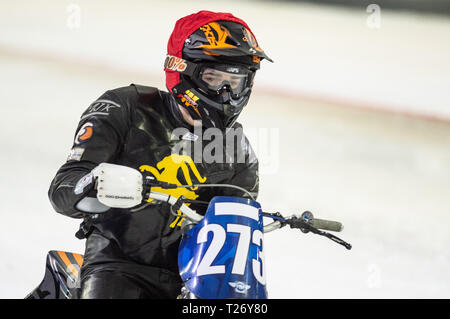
(363, 55)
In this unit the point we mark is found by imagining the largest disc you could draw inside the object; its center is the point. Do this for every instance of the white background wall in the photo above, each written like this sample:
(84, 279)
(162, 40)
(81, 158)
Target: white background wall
(321, 52)
(385, 176)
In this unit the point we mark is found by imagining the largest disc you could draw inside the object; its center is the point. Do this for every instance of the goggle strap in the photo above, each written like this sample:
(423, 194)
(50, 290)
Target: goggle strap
(181, 87)
(180, 65)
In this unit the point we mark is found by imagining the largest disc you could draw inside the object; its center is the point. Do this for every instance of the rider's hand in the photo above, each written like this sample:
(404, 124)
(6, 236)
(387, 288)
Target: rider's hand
(118, 186)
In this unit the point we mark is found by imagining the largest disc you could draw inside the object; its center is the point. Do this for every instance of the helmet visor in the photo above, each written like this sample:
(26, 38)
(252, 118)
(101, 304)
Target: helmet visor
(220, 78)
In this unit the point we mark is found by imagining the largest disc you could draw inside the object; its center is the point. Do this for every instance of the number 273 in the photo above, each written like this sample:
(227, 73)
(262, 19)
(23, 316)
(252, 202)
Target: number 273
(205, 266)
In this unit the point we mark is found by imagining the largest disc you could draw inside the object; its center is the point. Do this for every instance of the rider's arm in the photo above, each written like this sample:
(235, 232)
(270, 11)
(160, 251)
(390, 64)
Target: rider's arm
(99, 138)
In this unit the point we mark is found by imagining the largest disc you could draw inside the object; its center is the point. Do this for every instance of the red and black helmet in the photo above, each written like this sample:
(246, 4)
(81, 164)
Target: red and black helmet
(210, 66)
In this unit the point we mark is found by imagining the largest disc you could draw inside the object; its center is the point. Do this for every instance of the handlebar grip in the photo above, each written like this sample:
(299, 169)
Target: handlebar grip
(327, 225)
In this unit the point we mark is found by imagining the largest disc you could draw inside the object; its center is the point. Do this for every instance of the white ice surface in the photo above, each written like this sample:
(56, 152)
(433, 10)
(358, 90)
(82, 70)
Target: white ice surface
(386, 178)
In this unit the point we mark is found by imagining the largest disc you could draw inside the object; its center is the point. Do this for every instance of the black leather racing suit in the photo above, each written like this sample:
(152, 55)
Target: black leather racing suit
(134, 254)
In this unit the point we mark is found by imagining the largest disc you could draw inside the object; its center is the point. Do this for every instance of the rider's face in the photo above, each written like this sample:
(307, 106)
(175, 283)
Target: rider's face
(217, 79)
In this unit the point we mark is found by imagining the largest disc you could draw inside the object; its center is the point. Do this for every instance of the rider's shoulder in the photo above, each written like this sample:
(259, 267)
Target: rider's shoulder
(136, 93)
(132, 91)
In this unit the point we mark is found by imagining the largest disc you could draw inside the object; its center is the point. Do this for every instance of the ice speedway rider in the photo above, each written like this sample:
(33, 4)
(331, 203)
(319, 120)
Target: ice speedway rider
(211, 62)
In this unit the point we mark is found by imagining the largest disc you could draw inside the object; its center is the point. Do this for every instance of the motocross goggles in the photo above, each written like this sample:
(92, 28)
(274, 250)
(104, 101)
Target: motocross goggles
(215, 79)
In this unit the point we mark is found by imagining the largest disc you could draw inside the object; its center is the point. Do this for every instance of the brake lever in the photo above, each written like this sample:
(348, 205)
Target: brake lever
(305, 226)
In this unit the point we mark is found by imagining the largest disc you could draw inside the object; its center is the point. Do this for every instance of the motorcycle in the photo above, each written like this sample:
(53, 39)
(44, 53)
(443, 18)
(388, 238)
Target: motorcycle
(221, 253)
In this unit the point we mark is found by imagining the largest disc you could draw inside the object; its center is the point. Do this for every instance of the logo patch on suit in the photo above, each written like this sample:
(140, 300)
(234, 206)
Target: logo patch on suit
(167, 171)
(189, 136)
(85, 133)
(100, 107)
(82, 183)
(75, 154)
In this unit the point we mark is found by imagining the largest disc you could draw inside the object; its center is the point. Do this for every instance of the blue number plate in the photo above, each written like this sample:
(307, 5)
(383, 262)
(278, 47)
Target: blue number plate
(222, 257)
